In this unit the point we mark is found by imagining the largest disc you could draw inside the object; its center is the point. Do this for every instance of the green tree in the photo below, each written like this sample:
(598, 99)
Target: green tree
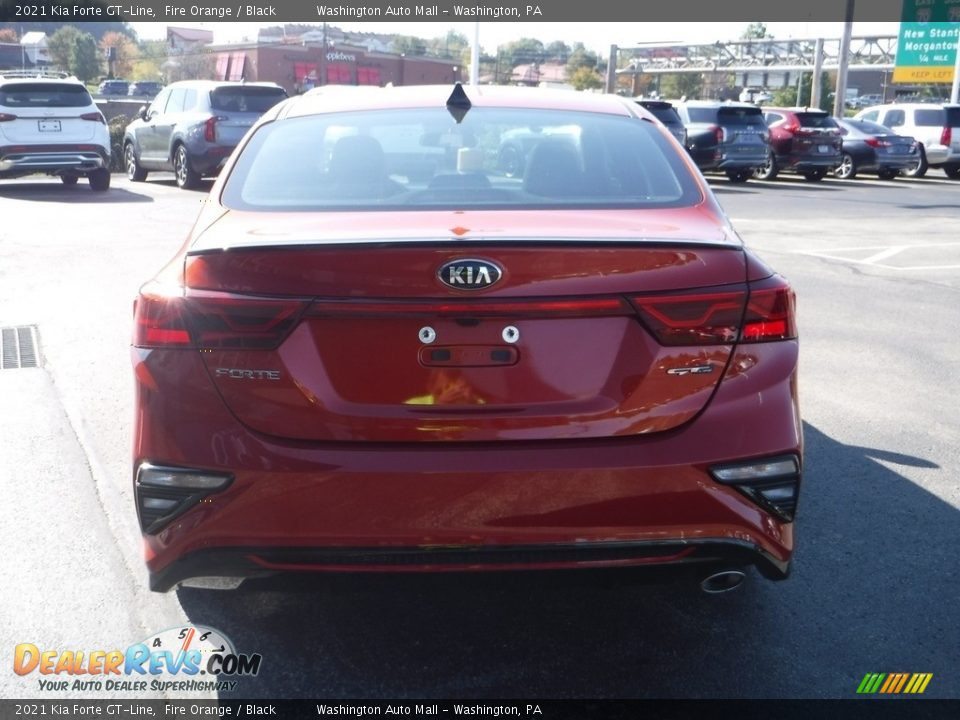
(585, 78)
(408, 45)
(450, 45)
(85, 58)
(557, 51)
(787, 97)
(60, 46)
(756, 31)
(580, 57)
(522, 51)
(150, 58)
(9, 35)
(679, 85)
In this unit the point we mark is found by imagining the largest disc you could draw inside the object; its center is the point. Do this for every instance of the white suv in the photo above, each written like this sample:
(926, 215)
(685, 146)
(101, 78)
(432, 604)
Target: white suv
(936, 128)
(50, 124)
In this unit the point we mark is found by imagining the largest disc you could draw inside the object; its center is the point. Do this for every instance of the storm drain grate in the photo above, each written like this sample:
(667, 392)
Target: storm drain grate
(18, 348)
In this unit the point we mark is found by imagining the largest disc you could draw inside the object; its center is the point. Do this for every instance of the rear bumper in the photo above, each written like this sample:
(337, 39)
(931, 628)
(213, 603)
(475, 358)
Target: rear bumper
(52, 159)
(940, 155)
(211, 159)
(714, 159)
(801, 163)
(342, 507)
(266, 561)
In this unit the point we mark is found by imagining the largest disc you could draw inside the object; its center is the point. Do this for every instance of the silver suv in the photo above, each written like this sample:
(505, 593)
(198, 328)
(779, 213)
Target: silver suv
(191, 127)
(49, 124)
(935, 127)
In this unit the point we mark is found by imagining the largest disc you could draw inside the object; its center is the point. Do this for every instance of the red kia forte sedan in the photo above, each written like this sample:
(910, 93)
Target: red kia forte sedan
(381, 349)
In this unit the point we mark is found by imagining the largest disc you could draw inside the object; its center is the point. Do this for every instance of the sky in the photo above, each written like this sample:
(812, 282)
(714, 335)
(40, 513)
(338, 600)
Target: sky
(596, 36)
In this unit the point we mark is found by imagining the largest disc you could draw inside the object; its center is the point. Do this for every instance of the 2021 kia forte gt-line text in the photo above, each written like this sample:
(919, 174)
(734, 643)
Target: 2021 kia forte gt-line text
(378, 351)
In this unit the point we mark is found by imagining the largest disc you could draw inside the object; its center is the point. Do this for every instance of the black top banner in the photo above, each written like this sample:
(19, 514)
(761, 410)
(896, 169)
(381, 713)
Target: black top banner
(173, 11)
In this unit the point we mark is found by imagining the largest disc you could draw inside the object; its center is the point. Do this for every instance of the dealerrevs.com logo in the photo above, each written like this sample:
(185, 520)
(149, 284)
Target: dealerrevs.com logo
(185, 659)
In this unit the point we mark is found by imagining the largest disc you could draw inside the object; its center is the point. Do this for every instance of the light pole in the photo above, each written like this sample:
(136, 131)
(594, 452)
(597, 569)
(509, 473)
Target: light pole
(840, 98)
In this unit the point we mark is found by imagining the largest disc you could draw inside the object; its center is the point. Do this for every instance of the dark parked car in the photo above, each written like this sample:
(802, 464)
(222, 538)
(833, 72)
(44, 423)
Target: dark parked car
(145, 88)
(731, 137)
(804, 140)
(113, 87)
(191, 127)
(377, 351)
(666, 113)
(869, 147)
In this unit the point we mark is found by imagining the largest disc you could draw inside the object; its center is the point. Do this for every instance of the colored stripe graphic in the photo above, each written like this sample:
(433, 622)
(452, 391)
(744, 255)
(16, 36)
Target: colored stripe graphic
(894, 683)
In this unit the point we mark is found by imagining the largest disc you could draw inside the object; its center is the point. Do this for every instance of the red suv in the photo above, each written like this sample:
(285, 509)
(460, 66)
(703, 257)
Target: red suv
(378, 350)
(804, 140)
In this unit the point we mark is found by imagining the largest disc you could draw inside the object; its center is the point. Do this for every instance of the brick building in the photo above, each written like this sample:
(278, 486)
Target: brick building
(299, 67)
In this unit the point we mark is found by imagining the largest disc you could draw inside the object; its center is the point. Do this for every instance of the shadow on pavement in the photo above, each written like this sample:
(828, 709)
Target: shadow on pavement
(874, 589)
(58, 192)
(170, 182)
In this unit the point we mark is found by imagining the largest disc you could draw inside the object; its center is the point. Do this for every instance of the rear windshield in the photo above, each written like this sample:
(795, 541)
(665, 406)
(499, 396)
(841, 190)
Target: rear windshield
(816, 120)
(740, 116)
(665, 114)
(38, 95)
(870, 128)
(245, 99)
(494, 158)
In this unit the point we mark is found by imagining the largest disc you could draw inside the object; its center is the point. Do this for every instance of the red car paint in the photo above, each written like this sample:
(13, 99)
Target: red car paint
(281, 349)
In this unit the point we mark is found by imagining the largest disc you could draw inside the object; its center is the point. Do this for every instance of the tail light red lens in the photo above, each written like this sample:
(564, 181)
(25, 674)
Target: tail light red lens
(208, 320)
(158, 318)
(719, 134)
(771, 312)
(707, 317)
(94, 117)
(946, 136)
(762, 311)
(7, 117)
(877, 142)
(210, 129)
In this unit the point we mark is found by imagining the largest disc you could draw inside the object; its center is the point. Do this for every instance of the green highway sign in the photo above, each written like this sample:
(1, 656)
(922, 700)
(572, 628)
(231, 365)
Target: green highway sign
(927, 46)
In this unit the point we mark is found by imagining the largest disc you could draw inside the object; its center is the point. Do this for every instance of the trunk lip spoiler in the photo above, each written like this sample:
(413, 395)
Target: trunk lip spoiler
(732, 242)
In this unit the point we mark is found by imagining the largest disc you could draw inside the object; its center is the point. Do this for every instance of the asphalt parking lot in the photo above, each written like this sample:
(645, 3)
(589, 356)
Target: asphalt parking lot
(876, 267)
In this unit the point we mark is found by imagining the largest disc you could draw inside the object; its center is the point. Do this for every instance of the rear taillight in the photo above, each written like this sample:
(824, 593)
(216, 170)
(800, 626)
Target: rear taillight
(946, 136)
(719, 134)
(877, 142)
(793, 127)
(208, 320)
(771, 312)
(210, 129)
(762, 311)
(706, 317)
(94, 117)
(7, 117)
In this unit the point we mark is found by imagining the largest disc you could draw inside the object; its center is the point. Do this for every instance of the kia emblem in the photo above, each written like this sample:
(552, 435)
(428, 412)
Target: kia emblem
(469, 274)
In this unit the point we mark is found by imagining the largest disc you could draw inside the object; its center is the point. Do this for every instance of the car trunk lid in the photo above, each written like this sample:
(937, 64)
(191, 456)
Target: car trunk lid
(353, 338)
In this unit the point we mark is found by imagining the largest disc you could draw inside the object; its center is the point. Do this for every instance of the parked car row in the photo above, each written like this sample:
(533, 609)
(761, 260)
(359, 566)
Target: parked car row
(744, 140)
(138, 88)
(50, 124)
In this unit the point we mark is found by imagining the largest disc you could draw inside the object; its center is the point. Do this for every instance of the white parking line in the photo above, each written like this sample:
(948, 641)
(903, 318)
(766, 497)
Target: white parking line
(884, 252)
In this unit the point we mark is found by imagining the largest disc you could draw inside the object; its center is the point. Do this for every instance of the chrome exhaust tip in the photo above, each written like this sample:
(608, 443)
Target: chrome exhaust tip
(722, 581)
